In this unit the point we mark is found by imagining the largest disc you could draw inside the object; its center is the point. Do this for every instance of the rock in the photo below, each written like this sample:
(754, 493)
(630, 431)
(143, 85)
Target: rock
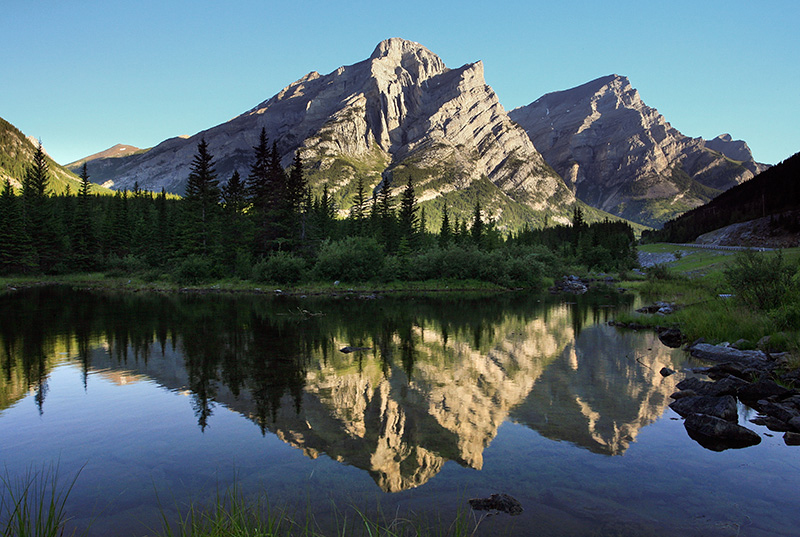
(719, 353)
(671, 337)
(794, 424)
(497, 502)
(762, 389)
(683, 393)
(791, 439)
(721, 407)
(741, 344)
(726, 386)
(665, 372)
(792, 377)
(727, 369)
(717, 434)
(784, 413)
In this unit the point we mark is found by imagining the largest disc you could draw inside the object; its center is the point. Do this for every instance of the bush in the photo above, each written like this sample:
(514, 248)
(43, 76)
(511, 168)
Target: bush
(125, 266)
(193, 270)
(279, 267)
(760, 281)
(353, 259)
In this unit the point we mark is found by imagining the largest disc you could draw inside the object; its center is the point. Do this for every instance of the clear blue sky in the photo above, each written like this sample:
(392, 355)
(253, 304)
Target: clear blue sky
(85, 75)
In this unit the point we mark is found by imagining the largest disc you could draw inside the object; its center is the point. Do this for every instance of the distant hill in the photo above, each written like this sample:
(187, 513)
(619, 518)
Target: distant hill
(16, 154)
(773, 193)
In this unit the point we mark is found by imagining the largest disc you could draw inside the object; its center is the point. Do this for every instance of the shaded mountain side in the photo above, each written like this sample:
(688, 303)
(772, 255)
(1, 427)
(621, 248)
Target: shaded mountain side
(16, 155)
(621, 156)
(773, 192)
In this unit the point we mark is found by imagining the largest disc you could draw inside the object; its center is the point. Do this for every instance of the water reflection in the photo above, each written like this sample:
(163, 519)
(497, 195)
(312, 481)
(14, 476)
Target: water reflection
(437, 380)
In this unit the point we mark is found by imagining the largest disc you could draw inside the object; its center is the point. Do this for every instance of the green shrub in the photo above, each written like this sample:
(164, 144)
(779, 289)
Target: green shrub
(352, 259)
(193, 270)
(760, 281)
(279, 267)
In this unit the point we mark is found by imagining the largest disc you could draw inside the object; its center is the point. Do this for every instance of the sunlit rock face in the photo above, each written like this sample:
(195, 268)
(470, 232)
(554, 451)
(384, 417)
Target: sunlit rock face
(401, 111)
(618, 154)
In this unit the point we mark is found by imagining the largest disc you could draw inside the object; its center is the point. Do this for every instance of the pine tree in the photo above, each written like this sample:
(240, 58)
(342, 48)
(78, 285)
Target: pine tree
(387, 219)
(236, 228)
(476, 231)
(37, 212)
(84, 244)
(358, 208)
(296, 186)
(407, 218)
(201, 204)
(14, 244)
(445, 233)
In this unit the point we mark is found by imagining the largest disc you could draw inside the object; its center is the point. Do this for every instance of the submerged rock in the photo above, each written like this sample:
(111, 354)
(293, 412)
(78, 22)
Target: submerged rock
(671, 337)
(717, 434)
(497, 502)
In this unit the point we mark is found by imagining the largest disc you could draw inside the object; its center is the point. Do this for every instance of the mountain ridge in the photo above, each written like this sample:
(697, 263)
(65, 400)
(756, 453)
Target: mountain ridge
(620, 155)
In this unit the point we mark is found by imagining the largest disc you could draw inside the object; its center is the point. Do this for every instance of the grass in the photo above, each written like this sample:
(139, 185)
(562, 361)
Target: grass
(34, 504)
(233, 515)
(696, 282)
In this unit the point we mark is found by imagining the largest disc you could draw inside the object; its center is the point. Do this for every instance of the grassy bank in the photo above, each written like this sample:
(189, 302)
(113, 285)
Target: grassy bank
(725, 296)
(102, 281)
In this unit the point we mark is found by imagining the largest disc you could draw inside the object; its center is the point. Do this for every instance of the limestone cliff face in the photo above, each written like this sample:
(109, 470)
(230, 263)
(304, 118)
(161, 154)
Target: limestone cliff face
(618, 154)
(400, 112)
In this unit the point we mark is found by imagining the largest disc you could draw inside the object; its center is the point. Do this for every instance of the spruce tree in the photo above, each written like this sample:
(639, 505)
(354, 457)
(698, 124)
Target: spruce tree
(476, 231)
(358, 208)
(201, 204)
(407, 218)
(14, 243)
(445, 233)
(387, 219)
(84, 244)
(37, 212)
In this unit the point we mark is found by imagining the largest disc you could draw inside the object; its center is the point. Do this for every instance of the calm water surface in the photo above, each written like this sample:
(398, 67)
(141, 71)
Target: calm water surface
(163, 400)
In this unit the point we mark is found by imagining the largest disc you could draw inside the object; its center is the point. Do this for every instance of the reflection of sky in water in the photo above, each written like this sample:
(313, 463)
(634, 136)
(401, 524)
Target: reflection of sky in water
(527, 408)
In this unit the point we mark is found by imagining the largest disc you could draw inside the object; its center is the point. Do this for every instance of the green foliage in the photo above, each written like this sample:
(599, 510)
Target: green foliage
(194, 270)
(761, 281)
(352, 259)
(279, 267)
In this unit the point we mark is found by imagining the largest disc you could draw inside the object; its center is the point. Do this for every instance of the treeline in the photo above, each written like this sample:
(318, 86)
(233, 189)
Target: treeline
(774, 191)
(271, 227)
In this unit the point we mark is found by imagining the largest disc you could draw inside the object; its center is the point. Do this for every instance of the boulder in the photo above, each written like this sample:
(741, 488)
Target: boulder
(671, 337)
(791, 439)
(497, 502)
(720, 353)
(721, 407)
(726, 386)
(717, 434)
(665, 372)
(762, 389)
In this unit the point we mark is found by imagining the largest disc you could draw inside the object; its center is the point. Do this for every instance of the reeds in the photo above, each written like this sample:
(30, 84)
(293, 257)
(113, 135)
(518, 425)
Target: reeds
(33, 505)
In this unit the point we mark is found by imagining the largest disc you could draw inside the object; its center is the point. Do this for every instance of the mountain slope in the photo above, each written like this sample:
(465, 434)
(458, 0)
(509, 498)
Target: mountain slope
(775, 191)
(16, 154)
(399, 114)
(619, 155)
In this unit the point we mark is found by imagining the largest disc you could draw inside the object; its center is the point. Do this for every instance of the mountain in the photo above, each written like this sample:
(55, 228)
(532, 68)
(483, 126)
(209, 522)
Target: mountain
(770, 202)
(399, 114)
(16, 154)
(621, 156)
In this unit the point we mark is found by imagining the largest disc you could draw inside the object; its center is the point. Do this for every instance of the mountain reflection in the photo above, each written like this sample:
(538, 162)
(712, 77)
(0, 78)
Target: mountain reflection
(437, 380)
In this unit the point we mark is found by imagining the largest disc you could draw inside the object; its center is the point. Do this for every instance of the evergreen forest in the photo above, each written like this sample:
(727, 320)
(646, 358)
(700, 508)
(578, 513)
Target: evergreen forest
(269, 226)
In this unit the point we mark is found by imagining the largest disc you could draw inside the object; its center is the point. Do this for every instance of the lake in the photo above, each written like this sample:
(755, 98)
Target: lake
(155, 401)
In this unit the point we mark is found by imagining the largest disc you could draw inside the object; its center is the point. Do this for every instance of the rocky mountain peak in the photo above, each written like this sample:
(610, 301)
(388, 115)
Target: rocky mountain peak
(622, 156)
